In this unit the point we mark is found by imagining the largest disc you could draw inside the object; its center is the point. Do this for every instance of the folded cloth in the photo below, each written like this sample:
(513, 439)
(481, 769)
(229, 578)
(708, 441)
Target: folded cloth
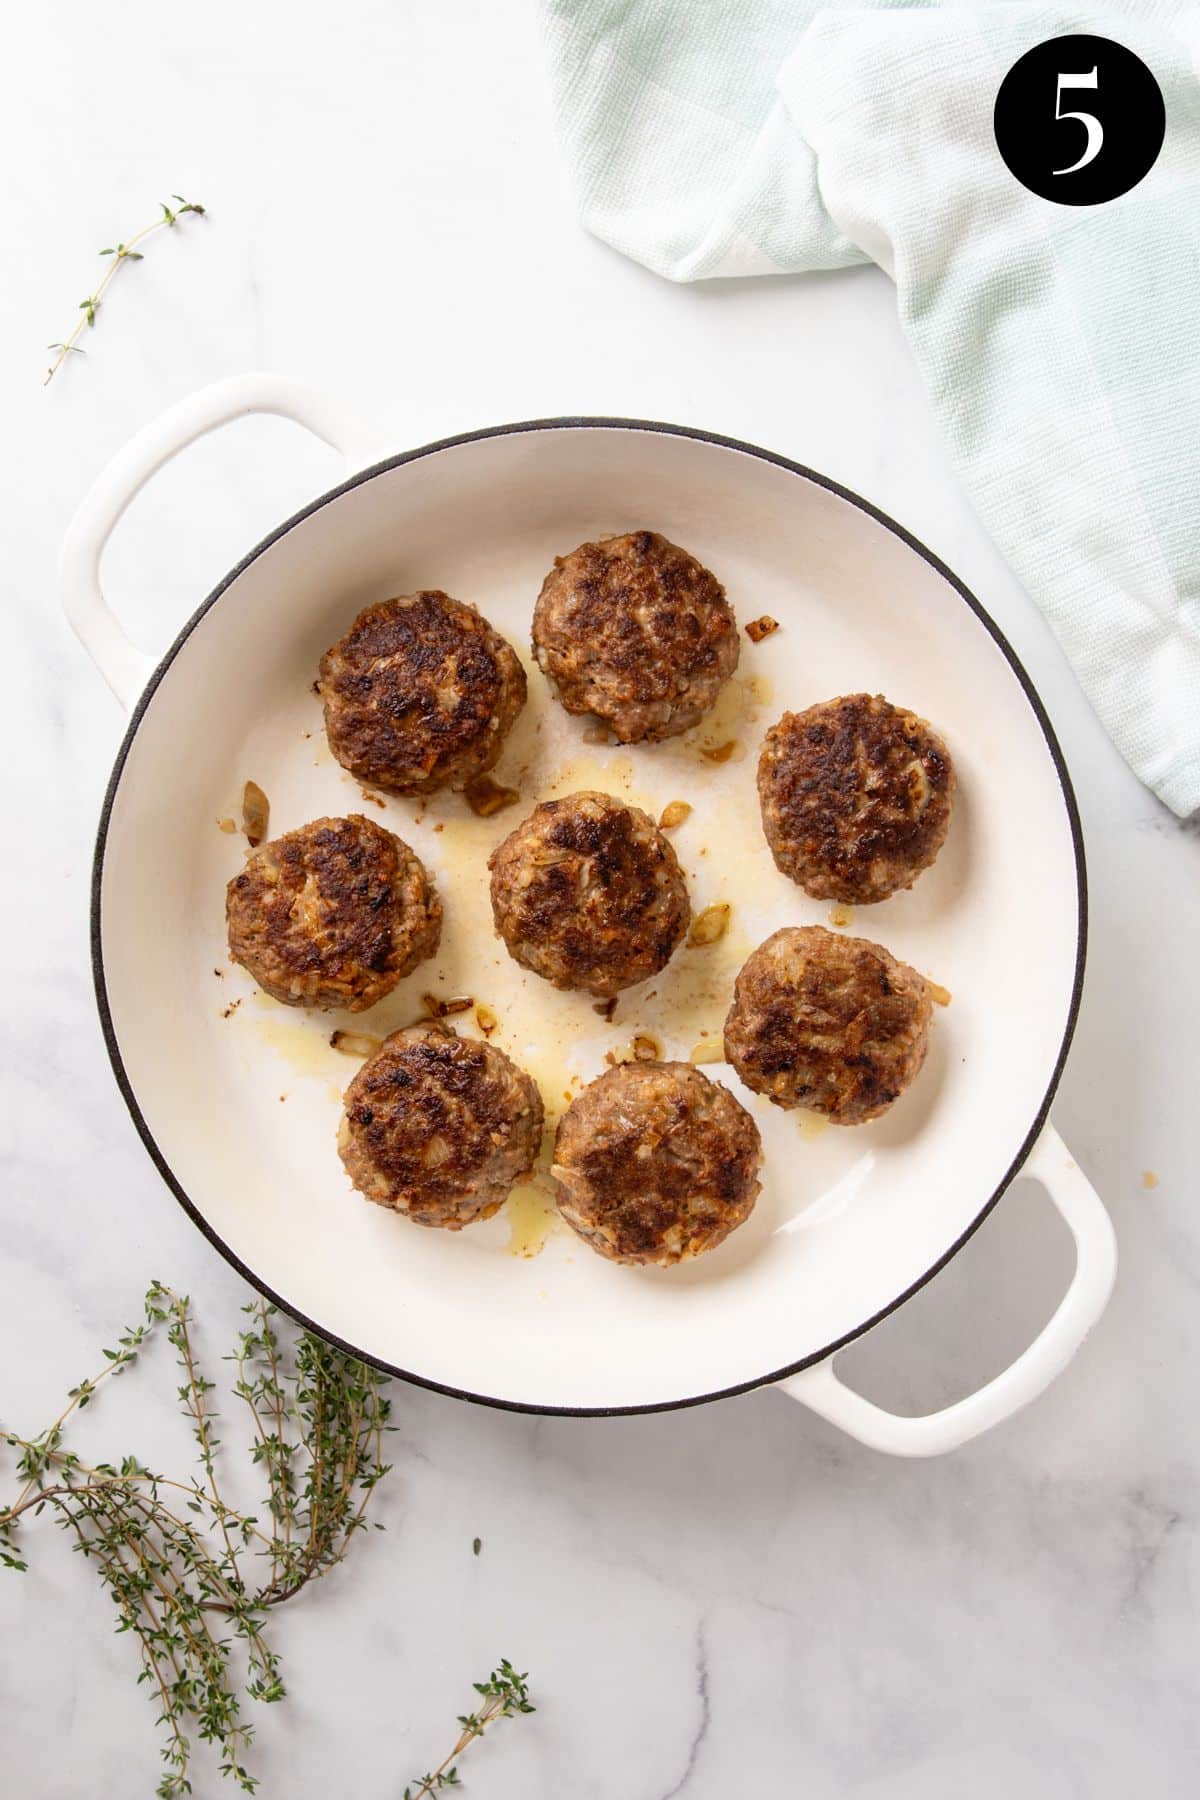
(1060, 345)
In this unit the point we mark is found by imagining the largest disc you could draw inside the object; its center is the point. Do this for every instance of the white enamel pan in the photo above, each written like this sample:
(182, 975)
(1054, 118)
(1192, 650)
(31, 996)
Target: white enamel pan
(238, 1103)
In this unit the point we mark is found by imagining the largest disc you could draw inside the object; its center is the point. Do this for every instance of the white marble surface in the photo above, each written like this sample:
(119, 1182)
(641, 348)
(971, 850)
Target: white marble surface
(716, 1603)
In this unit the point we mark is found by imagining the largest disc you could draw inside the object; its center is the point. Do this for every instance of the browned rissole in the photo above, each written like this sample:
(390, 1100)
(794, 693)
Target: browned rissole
(588, 893)
(654, 1163)
(856, 797)
(636, 631)
(439, 1127)
(333, 914)
(829, 1022)
(420, 693)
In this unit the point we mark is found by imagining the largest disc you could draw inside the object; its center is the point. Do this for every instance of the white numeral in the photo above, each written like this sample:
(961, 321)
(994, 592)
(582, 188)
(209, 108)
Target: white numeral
(1095, 130)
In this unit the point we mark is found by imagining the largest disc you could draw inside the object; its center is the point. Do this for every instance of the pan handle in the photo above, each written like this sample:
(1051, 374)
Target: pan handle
(126, 668)
(1051, 1164)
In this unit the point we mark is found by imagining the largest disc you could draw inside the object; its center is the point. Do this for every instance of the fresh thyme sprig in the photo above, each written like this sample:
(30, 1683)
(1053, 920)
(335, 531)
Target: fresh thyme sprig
(505, 1693)
(120, 253)
(178, 1572)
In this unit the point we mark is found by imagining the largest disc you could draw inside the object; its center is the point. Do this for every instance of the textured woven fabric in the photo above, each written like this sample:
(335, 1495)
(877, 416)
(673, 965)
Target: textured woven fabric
(1060, 346)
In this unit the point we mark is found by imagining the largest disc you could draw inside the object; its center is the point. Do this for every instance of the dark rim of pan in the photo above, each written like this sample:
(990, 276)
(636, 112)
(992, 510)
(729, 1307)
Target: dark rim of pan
(577, 424)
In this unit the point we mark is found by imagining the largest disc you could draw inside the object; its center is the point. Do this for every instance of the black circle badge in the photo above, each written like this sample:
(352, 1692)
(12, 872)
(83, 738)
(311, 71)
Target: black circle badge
(1079, 120)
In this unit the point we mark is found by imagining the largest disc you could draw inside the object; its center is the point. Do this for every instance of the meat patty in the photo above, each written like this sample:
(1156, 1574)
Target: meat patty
(654, 1162)
(636, 631)
(420, 694)
(856, 797)
(588, 892)
(334, 914)
(439, 1127)
(829, 1022)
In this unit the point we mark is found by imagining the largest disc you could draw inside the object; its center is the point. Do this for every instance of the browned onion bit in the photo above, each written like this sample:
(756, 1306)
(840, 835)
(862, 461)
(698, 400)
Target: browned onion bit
(711, 924)
(256, 814)
(720, 753)
(442, 1009)
(673, 814)
(606, 1008)
(355, 1043)
(758, 629)
(485, 796)
(486, 1019)
(645, 1048)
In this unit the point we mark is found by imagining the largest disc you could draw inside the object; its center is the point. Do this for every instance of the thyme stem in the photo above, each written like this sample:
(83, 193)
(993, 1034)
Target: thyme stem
(173, 1573)
(121, 254)
(505, 1694)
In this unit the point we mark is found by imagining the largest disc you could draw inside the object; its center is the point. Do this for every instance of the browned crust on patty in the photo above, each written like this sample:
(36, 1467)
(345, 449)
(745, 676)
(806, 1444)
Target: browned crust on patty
(420, 693)
(588, 893)
(856, 797)
(439, 1127)
(654, 1163)
(333, 914)
(829, 1022)
(636, 631)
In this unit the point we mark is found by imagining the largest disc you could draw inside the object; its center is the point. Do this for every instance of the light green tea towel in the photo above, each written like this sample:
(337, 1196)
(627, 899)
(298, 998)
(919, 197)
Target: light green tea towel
(1060, 345)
